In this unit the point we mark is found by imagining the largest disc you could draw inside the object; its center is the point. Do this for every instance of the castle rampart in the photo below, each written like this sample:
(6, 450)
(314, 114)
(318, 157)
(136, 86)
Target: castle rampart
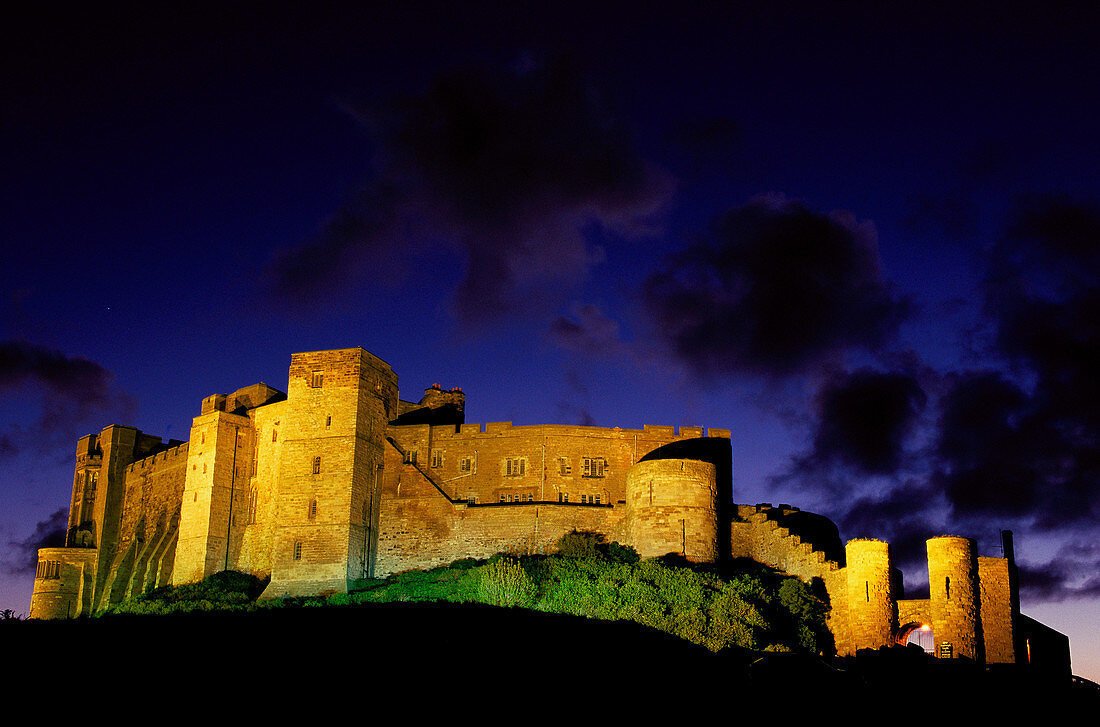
(339, 479)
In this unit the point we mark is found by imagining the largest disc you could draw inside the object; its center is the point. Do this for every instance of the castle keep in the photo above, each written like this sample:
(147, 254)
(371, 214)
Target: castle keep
(339, 479)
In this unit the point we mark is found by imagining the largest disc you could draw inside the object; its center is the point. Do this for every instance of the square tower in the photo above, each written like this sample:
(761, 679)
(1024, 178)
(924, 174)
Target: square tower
(338, 406)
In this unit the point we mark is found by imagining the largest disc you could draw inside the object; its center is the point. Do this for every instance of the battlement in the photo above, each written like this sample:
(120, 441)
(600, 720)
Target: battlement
(499, 429)
(176, 450)
(339, 479)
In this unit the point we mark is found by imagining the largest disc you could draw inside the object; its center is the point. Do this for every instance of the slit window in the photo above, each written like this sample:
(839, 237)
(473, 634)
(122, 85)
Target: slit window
(316, 465)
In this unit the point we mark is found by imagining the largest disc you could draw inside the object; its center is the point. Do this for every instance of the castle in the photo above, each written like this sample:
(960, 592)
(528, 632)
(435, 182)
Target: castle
(338, 479)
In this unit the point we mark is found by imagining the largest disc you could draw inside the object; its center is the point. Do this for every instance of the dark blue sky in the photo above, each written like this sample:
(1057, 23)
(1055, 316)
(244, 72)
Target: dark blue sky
(863, 240)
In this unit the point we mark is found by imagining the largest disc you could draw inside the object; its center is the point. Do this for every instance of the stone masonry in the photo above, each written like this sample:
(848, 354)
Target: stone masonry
(338, 479)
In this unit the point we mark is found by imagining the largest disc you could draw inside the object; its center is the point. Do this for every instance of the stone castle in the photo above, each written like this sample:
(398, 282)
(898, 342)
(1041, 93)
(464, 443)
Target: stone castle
(338, 479)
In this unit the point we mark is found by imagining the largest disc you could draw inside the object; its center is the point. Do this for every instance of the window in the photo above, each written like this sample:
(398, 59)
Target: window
(252, 496)
(316, 465)
(437, 458)
(566, 468)
(328, 421)
(597, 500)
(593, 467)
(467, 464)
(515, 466)
(503, 498)
(298, 550)
(317, 380)
(410, 457)
(471, 497)
(563, 497)
(312, 510)
(48, 569)
(274, 435)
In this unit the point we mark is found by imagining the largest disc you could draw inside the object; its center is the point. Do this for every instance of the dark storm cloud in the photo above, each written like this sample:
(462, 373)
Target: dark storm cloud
(1029, 445)
(67, 388)
(49, 533)
(863, 420)
(72, 378)
(1074, 572)
(510, 168)
(774, 289)
(985, 448)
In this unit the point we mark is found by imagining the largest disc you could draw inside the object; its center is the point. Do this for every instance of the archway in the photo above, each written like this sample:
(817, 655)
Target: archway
(916, 632)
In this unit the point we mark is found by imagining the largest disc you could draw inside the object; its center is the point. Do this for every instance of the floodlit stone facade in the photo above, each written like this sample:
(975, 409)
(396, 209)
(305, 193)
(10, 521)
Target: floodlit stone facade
(339, 479)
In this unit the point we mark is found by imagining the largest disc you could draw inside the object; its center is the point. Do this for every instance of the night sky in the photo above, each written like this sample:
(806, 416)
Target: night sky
(866, 241)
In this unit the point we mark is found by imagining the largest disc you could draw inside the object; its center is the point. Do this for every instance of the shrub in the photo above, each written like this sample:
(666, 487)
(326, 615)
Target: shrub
(504, 582)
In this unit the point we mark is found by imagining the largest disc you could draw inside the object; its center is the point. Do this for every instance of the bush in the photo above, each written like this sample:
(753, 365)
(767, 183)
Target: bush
(504, 582)
(586, 544)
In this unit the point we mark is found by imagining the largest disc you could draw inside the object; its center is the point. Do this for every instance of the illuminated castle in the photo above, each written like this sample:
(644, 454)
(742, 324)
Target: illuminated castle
(338, 479)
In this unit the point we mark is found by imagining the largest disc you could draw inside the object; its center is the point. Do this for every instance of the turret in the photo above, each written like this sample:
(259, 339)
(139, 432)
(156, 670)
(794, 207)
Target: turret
(672, 507)
(872, 610)
(954, 598)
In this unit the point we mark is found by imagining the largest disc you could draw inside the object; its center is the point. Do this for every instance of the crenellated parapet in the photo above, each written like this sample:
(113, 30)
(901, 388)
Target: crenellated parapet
(339, 479)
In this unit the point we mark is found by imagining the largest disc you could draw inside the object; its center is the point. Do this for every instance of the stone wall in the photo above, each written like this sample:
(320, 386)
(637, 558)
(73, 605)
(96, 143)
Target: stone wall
(996, 610)
(149, 524)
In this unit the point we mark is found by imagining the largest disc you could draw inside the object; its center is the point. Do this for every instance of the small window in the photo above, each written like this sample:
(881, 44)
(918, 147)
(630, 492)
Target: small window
(274, 435)
(597, 500)
(437, 458)
(515, 467)
(316, 465)
(563, 497)
(328, 421)
(566, 468)
(502, 497)
(410, 457)
(298, 550)
(317, 380)
(471, 497)
(252, 497)
(312, 509)
(467, 464)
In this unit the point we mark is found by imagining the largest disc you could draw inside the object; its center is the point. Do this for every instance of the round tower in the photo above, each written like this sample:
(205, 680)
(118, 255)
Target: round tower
(872, 611)
(953, 596)
(672, 507)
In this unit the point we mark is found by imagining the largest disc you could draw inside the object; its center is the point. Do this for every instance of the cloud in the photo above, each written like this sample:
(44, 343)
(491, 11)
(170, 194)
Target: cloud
(73, 378)
(1074, 572)
(513, 169)
(59, 393)
(588, 331)
(1027, 442)
(49, 533)
(774, 289)
(69, 390)
(863, 420)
